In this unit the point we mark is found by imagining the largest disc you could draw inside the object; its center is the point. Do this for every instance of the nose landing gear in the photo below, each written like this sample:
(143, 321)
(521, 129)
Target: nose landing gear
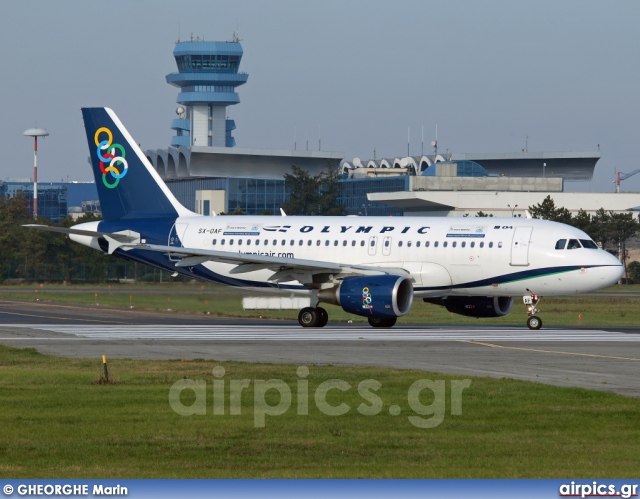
(531, 300)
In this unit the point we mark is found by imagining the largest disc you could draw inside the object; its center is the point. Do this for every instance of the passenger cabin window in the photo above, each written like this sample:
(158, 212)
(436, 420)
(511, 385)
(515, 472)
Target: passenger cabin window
(573, 244)
(561, 244)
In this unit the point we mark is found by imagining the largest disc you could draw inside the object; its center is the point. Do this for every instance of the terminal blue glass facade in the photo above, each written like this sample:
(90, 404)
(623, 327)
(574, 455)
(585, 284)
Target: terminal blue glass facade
(466, 168)
(353, 195)
(54, 198)
(208, 74)
(253, 196)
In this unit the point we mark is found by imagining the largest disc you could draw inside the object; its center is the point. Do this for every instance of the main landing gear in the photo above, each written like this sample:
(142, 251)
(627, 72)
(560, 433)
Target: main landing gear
(313, 317)
(382, 321)
(318, 317)
(531, 300)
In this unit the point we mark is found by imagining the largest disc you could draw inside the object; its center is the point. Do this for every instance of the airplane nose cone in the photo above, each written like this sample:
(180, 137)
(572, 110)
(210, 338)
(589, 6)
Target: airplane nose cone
(613, 272)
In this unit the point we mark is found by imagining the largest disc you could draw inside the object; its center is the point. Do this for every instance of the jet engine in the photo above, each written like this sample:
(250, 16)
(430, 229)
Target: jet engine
(383, 296)
(475, 306)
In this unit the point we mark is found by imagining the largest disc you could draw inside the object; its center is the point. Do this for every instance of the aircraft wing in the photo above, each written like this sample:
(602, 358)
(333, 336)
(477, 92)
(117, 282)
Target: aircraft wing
(285, 268)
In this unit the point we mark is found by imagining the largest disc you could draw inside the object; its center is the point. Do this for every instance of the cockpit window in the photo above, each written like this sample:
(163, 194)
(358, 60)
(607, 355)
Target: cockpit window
(588, 243)
(561, 244)
(573, 244)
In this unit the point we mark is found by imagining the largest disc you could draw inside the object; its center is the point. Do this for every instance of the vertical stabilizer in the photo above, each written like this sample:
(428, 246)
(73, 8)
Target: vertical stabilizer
(128, 185)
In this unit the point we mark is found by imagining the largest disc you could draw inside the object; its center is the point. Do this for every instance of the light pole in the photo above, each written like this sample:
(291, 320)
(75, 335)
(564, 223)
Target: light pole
(35, 133)
(512, 209)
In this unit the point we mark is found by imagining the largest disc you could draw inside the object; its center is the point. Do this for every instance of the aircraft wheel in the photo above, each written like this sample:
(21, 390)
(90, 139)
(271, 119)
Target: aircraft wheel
(323, 317)
(308, 317)
(382, 321)
(534, 322)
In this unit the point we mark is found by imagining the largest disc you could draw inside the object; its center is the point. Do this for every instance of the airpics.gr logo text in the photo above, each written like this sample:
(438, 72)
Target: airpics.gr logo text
(115, 162)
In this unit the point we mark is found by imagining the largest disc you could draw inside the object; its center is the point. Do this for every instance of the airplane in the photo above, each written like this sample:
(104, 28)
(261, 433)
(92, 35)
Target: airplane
(370, 266)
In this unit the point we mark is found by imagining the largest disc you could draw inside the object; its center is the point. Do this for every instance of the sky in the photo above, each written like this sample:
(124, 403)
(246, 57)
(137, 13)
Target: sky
(494, 76)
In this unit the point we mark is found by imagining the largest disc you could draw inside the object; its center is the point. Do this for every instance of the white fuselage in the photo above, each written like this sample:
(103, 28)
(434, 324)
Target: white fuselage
(464, 256)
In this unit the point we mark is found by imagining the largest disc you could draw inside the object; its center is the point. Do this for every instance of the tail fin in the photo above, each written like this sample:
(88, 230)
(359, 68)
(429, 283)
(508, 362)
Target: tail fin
(128, 186)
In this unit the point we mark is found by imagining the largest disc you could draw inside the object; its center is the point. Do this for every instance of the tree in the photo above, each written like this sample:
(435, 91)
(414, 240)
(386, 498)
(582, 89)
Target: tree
(13, 213)
(600, 229)
(623, 227)
(547, 210)
(482, 214)
(582, 221)
(312, 195)
(633, 270)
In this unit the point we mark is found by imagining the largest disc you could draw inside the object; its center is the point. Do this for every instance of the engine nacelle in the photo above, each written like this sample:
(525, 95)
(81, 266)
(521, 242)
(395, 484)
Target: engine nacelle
(372, 296)
(475, 306)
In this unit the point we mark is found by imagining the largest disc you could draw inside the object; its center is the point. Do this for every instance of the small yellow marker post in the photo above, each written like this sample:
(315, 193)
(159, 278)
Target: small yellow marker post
(106, 371)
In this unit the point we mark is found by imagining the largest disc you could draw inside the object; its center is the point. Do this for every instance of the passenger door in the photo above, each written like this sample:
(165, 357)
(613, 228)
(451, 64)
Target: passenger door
(520, 246)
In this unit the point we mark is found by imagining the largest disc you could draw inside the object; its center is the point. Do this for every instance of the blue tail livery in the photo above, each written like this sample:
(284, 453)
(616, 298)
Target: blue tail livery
(128, 186)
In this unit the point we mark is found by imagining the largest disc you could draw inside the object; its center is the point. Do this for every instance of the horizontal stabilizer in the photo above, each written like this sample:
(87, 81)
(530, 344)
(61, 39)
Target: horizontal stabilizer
(121, 237)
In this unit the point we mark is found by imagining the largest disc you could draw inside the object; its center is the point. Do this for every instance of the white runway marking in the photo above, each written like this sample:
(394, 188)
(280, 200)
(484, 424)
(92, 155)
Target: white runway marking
(334, 333)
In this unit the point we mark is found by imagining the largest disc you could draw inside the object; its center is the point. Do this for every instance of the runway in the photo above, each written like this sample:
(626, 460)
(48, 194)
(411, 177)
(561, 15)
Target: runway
(243, 333)
(590, 358)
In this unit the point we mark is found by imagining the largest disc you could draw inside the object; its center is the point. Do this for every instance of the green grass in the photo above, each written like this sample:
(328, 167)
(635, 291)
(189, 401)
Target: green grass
(587, 310)
(56, 421)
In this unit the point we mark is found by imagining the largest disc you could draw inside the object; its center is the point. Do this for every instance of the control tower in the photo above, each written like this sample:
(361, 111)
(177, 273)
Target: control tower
(207, 77)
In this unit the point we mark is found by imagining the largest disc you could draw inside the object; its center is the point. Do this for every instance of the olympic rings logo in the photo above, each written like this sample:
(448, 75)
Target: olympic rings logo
(115, 162)
(366, 298)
